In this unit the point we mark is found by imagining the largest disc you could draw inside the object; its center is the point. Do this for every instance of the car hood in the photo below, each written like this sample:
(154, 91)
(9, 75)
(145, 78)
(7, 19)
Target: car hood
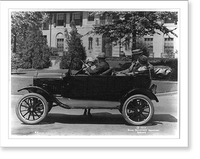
(49, 75)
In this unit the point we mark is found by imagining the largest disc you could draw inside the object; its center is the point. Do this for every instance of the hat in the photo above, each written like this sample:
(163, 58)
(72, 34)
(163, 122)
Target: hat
(137, 52)
(89, 59)
(101, 55)
(143, 59)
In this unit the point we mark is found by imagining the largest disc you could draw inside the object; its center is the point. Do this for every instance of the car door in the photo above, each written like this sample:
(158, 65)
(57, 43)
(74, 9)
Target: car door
(97, 87)
(75, 87)
(118, 86)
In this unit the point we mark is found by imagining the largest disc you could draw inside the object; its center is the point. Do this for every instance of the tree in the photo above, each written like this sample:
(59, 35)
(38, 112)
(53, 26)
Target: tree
(37, 53)
(130, 25)
(27, 40)
(75, 50)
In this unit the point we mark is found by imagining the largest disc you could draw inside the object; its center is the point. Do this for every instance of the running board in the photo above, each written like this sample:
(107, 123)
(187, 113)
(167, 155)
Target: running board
(89, 104)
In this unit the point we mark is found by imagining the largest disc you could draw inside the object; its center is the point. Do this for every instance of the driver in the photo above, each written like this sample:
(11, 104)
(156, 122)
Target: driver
(89, 62)
(101, 65)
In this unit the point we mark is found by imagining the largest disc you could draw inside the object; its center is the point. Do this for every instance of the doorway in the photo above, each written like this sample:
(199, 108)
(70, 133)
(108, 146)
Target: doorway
(107, 46)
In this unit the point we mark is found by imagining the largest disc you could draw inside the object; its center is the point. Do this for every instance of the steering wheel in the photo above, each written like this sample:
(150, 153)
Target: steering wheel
(84, 66)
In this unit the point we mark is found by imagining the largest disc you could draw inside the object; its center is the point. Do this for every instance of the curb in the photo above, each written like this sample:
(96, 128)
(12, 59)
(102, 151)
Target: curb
(21, 76)
(166, 93)
(171, 82)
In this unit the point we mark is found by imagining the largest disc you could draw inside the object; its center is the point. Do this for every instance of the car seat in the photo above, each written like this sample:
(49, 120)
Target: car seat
(107, 72)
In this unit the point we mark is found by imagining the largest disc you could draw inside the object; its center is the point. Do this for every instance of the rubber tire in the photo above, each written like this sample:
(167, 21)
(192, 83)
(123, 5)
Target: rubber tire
(140, 96)
(45, 105)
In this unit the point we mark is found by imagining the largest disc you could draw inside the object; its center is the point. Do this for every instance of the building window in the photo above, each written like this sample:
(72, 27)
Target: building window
(103, 19)
(149, 44)
(169, 20)
(90, 17)
(60, 42)
(60, 19)
(45, 38)
(60, 45)
(109, 19)
(90, 39)
(97, 21)
(45, 26)
(76, 17)
(97, 41)
(169, 47)
(127, 44)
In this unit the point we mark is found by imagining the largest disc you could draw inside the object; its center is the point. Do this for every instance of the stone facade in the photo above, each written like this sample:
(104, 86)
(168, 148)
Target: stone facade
(54, 32)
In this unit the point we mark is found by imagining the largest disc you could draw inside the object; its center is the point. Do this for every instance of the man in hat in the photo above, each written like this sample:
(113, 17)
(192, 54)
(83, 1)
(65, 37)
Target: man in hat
(101, 66)
(142, 66)
(139, 65)
(135, 55)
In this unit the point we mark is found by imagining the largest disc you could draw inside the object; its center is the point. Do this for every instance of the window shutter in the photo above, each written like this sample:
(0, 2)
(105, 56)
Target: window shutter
(55, 17)
(81, 18)
(64, 19)
(70, 17)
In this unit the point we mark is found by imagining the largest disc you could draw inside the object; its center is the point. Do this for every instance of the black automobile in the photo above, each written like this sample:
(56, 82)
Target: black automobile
(131, 95)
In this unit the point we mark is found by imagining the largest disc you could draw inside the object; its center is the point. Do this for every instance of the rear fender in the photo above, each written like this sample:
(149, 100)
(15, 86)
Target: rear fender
(145, 92)
(48, 96)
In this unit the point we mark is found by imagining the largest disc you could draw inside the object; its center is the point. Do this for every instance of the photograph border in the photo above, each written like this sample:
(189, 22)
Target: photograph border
(123, 140)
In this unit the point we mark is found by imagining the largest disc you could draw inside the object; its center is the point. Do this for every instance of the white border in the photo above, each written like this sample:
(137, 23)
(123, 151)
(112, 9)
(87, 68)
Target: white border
(96, 142)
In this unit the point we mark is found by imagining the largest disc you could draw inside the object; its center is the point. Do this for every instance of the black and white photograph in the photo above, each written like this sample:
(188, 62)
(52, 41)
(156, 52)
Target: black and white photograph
(89, 73)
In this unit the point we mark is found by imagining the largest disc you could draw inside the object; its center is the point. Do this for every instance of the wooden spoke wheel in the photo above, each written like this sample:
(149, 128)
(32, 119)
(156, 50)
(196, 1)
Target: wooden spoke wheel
(32, 108)
(137, 110)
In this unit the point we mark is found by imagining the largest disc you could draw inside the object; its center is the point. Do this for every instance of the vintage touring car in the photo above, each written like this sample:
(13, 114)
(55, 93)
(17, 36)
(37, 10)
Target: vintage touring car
(131, 95)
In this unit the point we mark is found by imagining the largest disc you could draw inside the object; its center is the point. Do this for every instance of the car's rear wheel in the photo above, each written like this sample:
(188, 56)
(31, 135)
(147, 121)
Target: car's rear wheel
(137, 109)
(32, 108)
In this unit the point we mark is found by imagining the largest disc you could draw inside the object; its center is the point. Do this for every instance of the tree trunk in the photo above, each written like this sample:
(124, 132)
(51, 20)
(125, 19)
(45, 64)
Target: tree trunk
(133, 34)
(15, 41)
(133, 40)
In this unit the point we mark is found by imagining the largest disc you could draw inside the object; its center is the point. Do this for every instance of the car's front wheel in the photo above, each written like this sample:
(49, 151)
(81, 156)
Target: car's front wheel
(32, 108)
(137, 109)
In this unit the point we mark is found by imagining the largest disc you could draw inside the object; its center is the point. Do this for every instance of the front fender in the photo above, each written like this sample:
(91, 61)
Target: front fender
(142, 91)
(48, 96)
(35, 89)
(39, 90)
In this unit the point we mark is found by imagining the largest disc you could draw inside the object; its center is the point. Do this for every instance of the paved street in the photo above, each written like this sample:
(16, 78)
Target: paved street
(62, 122)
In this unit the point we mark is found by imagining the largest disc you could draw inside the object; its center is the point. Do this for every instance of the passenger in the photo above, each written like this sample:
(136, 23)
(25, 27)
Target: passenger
(90, 62)
(135, 55)
(101, 65)
(142, 66)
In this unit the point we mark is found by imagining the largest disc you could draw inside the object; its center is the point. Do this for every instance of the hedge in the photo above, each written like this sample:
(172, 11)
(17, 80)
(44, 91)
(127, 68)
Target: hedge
(121, 63)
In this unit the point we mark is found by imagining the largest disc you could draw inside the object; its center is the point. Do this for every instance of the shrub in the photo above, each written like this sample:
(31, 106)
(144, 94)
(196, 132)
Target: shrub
(75, 51)
(124, 63)
(15, 62)
(65, 62)
(172, 63)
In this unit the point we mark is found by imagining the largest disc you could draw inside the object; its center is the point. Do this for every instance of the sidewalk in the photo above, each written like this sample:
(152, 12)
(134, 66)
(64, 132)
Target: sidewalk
(164, 87)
